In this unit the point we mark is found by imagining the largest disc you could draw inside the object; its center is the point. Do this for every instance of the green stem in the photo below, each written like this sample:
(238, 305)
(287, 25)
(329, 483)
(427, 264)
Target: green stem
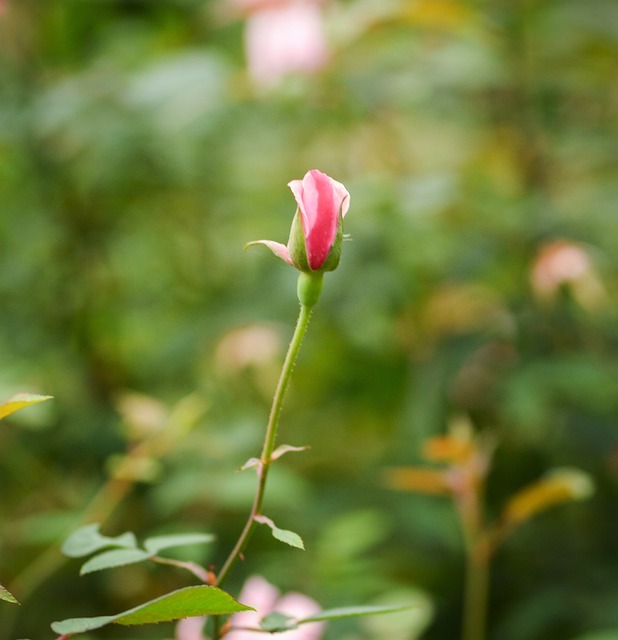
(267, 449)
(478, 559)
(476, 591)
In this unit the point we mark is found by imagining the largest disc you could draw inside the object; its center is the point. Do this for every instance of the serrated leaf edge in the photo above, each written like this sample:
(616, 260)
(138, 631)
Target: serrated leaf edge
(97, 622)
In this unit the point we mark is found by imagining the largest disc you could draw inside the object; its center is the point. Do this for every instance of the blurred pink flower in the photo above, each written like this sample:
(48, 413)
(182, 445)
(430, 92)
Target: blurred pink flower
(283, 37)
(190, 629)
(565, 263)
(254, 346)
(264, 597)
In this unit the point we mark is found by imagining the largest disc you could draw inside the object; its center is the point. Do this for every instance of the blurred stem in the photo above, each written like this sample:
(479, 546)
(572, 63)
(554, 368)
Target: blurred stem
(478, 557)
(476, 591)
(267, 449)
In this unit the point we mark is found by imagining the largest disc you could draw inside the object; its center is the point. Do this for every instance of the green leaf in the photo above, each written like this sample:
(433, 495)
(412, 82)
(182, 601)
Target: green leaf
(20, 401)
(87, 539)
(184, 603)
(114, 558)
(6, 595)
(353, 612)
(276, 622)
(289, 537)
(158, 543)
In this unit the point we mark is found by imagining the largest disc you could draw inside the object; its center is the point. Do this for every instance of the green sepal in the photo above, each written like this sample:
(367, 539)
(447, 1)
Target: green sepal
(297, 244)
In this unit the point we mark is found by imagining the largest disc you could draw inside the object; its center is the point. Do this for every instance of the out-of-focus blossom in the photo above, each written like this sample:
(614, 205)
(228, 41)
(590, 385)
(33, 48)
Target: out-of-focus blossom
(264, 597)
(253, 346)
(283, 37)
(565, 263)
(190, 629)
(251, 352)
(141, 414)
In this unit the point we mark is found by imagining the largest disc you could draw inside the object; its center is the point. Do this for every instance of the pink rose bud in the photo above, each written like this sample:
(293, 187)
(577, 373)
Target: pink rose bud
(317, 228)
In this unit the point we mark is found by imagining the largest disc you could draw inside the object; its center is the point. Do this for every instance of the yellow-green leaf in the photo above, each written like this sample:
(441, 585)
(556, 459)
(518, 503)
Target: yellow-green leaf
(6, 595)
(557, 486)
(283, 535)
(419, 480)
(20, 401)
(289, 537)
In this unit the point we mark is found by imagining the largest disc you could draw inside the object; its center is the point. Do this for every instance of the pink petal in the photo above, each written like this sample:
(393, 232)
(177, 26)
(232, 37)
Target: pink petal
(261, 595)
(319, 198)
(342, 196)
(190, 629)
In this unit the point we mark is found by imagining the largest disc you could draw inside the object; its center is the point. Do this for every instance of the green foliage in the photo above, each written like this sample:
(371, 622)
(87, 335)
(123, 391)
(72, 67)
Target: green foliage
(352, 612)
(6, 595)
(289, 537)
(111, 559)
(88, 539)
(136, 160)
(283, 535)
(276, 622)
(16, 403)
(184, 603)
(20, 401)
(156, 544)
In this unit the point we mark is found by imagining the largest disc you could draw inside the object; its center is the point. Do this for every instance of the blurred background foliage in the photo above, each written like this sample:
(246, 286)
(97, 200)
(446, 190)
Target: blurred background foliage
(138, 156)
